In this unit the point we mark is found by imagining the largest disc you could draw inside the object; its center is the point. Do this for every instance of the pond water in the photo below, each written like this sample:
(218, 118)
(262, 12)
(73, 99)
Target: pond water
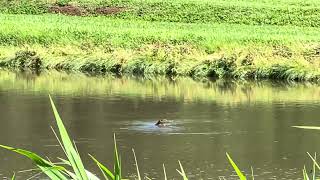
(249, 120)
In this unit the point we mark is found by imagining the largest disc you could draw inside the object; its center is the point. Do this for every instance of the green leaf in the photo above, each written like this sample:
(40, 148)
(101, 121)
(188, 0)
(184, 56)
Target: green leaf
(13, 176)
(164, 172)
(117, 163)
(235, 167)
(71, 153)
(314, 161)
(181, 172)
(252, 173)
(106, 172)
(90, 175)
(52, 171)
(307, 127)
(305, 174)
(314, 167)
(135, 159)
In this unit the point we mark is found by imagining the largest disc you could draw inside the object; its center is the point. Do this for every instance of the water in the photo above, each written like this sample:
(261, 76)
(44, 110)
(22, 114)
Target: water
(251, 121)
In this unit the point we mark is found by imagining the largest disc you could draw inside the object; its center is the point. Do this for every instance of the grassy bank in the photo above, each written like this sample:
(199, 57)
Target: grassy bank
(171, 60)
(251, 40)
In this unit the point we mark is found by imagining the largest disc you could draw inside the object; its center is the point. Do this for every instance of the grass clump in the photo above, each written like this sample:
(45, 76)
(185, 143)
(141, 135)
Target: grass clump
(24, 60)
(168, 60)
(23, 7)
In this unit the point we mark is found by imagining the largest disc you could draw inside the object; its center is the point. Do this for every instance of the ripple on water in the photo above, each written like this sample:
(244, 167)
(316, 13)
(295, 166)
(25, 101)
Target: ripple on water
(150, 127)
(174, 128)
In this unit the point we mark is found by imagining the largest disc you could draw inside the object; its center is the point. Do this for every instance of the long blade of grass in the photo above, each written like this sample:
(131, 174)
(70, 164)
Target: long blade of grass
(307, 127)
(314, 161)
(105, 171)
(314, 167)
(135, 159)
(55, 134)
(35, 175)
(182, 172)
(252, 173)
(72, 155)
(235, 167)
(13, 176)
(117, 163)
(305, 174)
(52, 171)
(36, 158)
(164, 172)
(90, 175)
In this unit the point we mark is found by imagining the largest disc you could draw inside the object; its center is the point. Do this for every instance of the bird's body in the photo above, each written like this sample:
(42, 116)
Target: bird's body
(162, 122)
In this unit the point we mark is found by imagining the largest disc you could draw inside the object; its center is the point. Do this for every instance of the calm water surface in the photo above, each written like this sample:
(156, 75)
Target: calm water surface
(250, 121)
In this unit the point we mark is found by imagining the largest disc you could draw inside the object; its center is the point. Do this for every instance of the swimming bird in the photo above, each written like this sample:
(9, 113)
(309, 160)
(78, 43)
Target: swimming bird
(162, 122)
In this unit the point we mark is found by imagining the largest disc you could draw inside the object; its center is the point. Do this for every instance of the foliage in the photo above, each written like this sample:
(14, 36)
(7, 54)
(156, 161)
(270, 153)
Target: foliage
(235, 167)
(25, 59)
(205, 39)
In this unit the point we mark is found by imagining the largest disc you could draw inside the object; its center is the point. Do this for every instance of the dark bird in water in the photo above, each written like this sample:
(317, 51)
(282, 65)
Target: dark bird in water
(162, 122)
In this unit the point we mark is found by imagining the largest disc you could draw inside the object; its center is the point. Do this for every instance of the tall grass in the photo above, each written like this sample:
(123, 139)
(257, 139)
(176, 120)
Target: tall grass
(271, 39)
(55, 29)
(116, 46)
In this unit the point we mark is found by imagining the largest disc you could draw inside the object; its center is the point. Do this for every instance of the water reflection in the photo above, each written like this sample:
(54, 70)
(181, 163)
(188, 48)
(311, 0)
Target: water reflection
(250, 120)
(181, 89)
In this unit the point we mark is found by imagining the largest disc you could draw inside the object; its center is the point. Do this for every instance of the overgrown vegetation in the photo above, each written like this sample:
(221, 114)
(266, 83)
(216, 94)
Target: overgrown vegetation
(273, 39)
(169, 60)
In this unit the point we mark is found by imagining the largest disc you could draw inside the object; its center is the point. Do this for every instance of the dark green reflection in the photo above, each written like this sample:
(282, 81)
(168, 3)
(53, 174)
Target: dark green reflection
(182, 89)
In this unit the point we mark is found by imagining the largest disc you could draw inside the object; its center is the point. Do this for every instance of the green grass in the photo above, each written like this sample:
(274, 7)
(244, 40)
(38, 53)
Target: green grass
(55, 29)
(271, 12)
(271, 39)
(143, 47)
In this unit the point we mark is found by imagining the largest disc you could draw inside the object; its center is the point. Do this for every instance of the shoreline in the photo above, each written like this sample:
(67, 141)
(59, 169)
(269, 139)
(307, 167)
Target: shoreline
(165, 60)
(147, 38)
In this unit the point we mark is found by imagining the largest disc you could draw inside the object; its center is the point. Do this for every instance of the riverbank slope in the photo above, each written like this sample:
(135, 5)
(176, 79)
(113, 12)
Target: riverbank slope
(274, 39)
